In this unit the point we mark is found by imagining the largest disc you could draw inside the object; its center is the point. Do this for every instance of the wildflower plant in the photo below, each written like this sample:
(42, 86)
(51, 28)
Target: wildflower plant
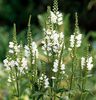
(47, 74)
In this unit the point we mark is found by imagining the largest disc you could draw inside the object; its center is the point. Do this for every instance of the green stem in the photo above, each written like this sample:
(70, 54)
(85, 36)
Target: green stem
(17, 84)
(71, 80)
(72, 69)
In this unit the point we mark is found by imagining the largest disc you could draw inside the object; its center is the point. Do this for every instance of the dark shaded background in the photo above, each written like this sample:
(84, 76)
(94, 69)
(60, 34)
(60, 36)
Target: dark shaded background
(18, 11)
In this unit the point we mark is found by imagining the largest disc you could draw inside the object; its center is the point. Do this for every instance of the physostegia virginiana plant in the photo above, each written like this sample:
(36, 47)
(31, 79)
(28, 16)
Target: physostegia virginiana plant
(57, 71)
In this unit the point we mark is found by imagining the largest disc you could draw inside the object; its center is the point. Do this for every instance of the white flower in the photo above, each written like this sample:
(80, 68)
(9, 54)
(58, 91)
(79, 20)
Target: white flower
(41, 78)
(12, 63)
(53, 42)
(53, 77)
(9, 79)
(34, 49)
(55, 66)
(24, 63)
(17, 48)
(27, 51)
(62, 67)
(48, 32)
(82, 62)
(11, 44)
(46, 83)
(55, 36)
(61, 35)
(59, 18)
(78, 37)
(89, 63)
(11, 51)
(72, 41)
(44, 79)
(6, 64)
(53, 17)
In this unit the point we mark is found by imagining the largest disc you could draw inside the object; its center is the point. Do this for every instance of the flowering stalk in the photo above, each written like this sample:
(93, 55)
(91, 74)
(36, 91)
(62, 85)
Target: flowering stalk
(16, 70)
(75, 42)
(53, 80)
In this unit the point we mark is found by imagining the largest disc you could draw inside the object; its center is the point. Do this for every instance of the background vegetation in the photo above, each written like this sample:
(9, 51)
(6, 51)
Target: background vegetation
(18, 11)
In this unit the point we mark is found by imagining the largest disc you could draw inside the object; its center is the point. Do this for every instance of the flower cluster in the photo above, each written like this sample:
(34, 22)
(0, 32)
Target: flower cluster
(44, 80)
(15, 60)
(13, 48)
(19, 59)
(52, 42)
(87, 63)
(56, 67)
(59, 73)
(75, 40)
(31, 50)
(56, 18)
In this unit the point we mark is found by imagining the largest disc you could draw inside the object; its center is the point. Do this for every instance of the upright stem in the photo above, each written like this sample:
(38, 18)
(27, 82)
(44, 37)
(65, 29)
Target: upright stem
(71, 80)
(72, 69)
(17, 85)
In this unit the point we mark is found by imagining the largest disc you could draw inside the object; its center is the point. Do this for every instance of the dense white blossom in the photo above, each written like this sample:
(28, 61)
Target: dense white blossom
(78, 40)
(82, 62)
(44, 80)
(87, 62)
(52, 42)
(27, 51)
(53, 17)
(34, 49)
(11, 44)
(62, 67)
(72, 41)
(75, 40)
(46, 83)
(57, 18)
(55, 66)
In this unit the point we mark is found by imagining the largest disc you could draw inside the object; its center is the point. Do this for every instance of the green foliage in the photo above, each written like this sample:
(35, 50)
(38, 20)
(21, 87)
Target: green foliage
(58, 68)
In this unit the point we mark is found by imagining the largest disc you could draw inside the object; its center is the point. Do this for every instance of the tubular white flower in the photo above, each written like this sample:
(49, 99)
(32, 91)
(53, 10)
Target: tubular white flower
(72, 41)
(76, 39)
(12, 63)
(62, 67)
(11, 51)
(46, 83)
(53, 17)
(11, 45)
(24, 63)
(53, 77)
(79, 38)
(34, 49)
(53, 42)
(6, 64)
(17, 48)
(57, 18)
(89, 63)
(55, 66)
(26, 51)
(82, 62)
